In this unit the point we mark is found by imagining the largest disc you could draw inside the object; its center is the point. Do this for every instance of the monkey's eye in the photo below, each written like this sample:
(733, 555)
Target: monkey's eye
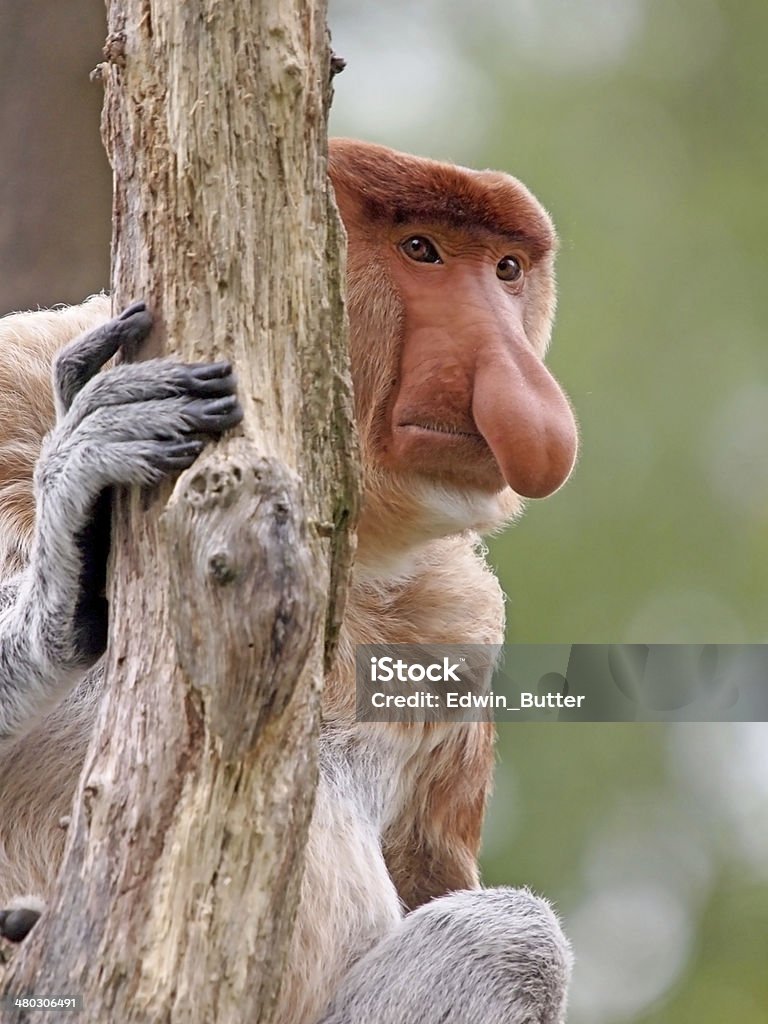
(509, 269)
(420, 249)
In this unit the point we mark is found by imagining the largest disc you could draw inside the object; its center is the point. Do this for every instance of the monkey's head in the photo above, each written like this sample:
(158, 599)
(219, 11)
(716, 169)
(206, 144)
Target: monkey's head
(451, 297)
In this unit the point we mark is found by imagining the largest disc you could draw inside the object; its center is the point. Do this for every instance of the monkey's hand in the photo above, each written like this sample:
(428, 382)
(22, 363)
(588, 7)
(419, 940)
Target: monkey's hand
(133, 424)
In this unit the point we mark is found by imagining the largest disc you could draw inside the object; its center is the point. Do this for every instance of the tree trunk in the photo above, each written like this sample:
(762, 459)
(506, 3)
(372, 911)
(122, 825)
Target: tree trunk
(180, 882)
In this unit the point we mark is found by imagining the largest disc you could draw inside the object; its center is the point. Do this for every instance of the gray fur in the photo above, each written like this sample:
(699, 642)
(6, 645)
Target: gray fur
(493, 956)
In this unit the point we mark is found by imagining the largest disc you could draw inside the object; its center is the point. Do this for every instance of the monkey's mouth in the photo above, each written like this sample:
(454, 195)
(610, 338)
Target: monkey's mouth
(447, 452)
(444, 429)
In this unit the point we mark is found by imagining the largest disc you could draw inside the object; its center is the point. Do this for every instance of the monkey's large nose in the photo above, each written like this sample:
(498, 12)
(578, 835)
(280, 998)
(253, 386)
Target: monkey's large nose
(526, 420)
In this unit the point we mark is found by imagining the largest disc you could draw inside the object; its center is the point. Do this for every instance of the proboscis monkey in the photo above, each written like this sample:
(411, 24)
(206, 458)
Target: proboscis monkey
(451, 296)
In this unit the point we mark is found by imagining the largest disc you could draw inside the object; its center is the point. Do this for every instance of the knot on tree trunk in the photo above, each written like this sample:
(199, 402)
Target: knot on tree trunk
(246, 597)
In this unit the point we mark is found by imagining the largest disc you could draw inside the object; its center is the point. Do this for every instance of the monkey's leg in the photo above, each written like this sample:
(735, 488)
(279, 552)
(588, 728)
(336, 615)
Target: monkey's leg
(491, 956)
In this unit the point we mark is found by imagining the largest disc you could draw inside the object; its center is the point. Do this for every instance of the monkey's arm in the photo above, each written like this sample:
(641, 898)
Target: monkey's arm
(133, 424)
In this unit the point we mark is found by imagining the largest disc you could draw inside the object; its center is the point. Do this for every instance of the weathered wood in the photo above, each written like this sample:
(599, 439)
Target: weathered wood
(181, 876)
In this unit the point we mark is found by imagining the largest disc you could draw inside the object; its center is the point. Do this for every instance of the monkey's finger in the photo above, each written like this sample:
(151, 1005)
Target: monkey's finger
(132, 326)
(135, 307)
(207, 371)
(214, 416)
(174, 457)
(79, 361)
(210, 381)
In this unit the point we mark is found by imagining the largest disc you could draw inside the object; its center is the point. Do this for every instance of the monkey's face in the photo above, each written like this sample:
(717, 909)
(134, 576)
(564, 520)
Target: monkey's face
(473, 403)
(451, 297)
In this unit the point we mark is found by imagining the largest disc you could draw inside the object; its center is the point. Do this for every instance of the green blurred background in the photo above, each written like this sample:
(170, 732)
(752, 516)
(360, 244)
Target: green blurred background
(643, 126)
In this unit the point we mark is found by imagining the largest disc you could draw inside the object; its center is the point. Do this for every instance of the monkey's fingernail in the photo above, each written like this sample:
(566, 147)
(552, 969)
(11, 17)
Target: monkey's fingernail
(220, 405)
(185, 448)
(206, 371)
(135, 307)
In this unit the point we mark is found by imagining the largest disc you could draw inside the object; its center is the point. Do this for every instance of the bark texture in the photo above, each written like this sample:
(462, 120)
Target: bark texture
(180, 882)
